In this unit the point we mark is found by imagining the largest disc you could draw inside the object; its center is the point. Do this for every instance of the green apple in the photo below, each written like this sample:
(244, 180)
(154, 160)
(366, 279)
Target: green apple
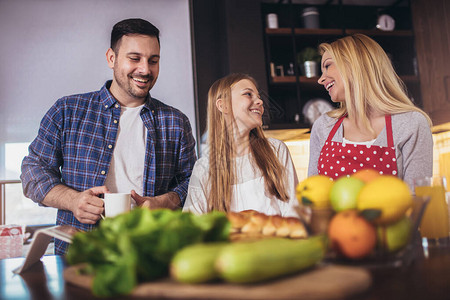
(394, 237)
(344, 193)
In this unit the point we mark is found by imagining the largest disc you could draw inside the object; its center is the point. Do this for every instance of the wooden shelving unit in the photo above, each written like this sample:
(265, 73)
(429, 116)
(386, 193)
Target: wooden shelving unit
(288, 94)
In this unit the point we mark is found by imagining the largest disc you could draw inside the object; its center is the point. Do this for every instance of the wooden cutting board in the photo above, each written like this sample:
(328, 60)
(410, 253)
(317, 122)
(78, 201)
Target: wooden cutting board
(328, 282)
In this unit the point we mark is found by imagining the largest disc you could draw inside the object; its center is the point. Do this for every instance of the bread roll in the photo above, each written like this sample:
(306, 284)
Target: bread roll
(237, 221)
(281, 226)
(269, 228)
(296, 228)
(253, 223)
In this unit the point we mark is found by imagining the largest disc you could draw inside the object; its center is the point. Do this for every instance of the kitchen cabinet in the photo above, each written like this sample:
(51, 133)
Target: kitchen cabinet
(289, 88)
(432, 35)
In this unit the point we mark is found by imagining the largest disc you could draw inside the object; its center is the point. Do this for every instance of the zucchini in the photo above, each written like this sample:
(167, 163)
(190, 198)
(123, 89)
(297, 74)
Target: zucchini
(264, 259)
(195, 263)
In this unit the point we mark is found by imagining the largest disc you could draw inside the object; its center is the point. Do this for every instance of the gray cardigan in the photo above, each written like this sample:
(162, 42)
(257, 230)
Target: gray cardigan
(413, 144)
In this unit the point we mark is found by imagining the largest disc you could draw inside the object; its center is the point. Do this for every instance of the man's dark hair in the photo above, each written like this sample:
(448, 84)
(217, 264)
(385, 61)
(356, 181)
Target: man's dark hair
(132, 26)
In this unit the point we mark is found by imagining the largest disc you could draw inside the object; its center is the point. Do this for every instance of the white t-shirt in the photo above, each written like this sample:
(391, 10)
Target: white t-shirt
(126, 171)
(250, 191)
(367, 143)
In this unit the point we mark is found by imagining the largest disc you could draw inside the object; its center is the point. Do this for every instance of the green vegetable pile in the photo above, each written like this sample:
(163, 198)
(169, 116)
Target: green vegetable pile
(138, 246)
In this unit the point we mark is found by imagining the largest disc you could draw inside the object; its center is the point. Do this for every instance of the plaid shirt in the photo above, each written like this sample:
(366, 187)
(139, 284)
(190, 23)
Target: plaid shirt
(75, 144)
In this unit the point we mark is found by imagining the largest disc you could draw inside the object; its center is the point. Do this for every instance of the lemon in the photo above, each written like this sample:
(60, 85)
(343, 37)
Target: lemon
(388, 194)
(315, 190)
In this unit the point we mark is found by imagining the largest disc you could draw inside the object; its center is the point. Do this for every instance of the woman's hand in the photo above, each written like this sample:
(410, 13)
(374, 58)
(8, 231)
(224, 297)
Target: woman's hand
(169, 200)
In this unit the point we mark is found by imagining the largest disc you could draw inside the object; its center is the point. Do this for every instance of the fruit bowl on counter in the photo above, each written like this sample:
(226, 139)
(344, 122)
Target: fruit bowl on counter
(371, 221)
(387, 253)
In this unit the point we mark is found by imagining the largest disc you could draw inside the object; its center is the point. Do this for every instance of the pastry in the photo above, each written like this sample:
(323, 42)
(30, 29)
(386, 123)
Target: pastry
(253, 223)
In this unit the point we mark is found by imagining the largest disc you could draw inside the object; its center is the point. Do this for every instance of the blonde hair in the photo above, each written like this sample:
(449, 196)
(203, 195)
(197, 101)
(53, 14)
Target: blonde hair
(370, 82)
(222, 169)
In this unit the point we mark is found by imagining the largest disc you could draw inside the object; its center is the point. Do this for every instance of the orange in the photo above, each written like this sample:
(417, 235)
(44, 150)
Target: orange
(366, 175)
(351, 235)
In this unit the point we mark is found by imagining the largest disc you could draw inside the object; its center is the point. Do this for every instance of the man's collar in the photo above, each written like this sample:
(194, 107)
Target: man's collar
(108, 99)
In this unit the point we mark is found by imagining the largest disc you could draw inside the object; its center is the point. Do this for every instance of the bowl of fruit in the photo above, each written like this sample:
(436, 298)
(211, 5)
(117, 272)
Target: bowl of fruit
(370, 219)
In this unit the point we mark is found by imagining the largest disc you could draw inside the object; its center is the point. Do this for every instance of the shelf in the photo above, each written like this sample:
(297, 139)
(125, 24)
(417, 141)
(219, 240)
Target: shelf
(376, 32)
(304, 79)
(303, 31)
(337, 32)
(292, 79)
(410, 78)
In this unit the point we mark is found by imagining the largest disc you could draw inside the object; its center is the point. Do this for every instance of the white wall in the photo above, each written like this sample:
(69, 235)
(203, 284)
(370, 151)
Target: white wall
(53, 48)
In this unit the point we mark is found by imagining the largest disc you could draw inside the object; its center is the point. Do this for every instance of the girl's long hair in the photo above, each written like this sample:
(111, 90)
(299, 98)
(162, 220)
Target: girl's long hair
(221, 144)
(370, 81)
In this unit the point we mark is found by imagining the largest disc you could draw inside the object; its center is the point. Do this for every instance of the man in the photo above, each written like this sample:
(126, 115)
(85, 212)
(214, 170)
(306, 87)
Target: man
(117, 139)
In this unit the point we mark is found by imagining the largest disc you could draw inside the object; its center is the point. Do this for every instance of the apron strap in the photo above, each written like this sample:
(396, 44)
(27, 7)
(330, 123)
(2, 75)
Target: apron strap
(390, 139)
(388, 120)
(335, 128)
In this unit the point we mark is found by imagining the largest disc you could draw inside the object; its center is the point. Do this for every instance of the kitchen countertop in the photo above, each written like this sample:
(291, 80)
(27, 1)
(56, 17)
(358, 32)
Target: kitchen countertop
(297, 134)
(428, 277)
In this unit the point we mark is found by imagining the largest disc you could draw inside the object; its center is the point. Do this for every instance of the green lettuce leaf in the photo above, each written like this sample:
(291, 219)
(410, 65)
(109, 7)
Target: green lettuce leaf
(138, 246)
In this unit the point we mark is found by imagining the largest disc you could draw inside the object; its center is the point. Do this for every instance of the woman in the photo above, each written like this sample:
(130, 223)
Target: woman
(376, 126)
(242, 169)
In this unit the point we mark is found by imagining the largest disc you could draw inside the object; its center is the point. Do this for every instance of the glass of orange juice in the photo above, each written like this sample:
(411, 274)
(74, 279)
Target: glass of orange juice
(435, 221)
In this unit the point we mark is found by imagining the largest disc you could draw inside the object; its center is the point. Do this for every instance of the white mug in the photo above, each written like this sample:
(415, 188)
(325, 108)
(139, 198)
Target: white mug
(116, 203)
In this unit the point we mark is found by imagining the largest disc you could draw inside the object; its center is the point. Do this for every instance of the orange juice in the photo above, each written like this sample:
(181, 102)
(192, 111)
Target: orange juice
(435, 221)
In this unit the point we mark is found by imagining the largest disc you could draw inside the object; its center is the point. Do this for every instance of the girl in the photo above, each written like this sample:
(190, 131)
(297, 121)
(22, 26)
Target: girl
(243, 169)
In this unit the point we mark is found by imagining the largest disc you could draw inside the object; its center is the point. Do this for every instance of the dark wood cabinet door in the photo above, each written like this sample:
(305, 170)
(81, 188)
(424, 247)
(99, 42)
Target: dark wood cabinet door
(431, 19)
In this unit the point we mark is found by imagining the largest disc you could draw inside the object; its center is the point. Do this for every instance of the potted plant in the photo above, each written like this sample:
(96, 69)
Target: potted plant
(308, 60)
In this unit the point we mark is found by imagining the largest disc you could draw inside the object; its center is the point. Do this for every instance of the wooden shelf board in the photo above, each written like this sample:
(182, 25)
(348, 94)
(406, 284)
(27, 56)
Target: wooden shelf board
(303, 31)
(409, 78)
(376, 32)
(304, 79)
(292, 79)
(278, 31)
(334, 31)
(321, 31)
(283, 79)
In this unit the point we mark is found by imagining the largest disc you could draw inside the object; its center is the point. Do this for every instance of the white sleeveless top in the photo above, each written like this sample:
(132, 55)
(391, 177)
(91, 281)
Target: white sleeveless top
(126, 170)
(250, 191)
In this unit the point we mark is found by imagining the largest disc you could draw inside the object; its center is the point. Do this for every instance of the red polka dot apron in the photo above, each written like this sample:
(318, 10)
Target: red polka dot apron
(338, 159)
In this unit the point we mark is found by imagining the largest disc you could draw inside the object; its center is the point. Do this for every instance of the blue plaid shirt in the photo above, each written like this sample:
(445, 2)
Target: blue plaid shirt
(75, 144)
